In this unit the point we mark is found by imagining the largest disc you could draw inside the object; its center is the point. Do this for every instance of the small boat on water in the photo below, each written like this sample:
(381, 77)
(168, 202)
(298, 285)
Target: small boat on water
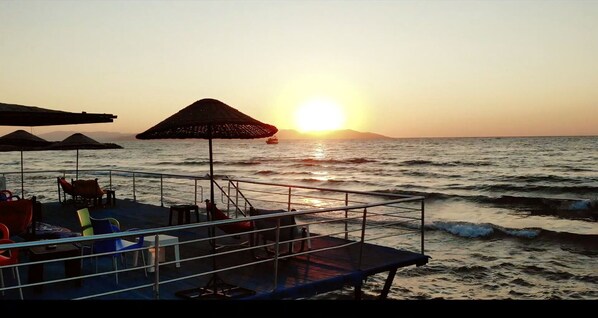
(272, 140)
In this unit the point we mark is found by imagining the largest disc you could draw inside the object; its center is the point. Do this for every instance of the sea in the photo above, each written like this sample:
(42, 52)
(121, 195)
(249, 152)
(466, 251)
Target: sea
(506, 218)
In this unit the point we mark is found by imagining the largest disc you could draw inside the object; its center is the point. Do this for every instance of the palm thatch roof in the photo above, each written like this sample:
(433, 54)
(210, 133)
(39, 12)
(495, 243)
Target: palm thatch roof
(209, 118)
(81, 141)
(20, 115)
(20, 139)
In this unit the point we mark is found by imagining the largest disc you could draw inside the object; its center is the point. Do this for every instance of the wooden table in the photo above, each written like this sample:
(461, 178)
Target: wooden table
(72, 267)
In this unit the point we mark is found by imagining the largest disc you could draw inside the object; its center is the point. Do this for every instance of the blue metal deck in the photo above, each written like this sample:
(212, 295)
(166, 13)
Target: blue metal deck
(300, 276)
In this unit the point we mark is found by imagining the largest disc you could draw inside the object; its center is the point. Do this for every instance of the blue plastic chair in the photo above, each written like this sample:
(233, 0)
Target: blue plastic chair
(116, 245)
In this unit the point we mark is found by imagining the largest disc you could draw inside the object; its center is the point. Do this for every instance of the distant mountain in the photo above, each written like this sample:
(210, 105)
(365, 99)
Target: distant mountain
(101, 136)
(283, 134)
(331, 134)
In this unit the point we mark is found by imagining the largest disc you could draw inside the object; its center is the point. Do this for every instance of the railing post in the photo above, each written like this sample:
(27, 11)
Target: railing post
(237, 196)
(289, 200)
(110, 177)
(134, 192)
(195, 193)
(228, 195)
(23, 177)
(363, 222)
(161, 191)
(346, 216)
(157, 266)
(276, 249)
(422, 228)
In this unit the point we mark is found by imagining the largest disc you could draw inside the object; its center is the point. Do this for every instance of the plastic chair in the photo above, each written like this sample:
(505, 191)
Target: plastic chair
(67, 188)
(87, 228)
(85, 222)
(16, 215)
(117, 245)
(9, 257)
(235, 228)
(289, 230)
(89, 191)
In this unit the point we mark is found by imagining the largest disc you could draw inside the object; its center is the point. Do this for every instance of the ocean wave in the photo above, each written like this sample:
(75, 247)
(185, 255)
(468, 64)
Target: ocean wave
(358, 160)
(303, 165)
(313, 180)
(166, 163)
(266, 172)
(429, 174)
(565, 208)
(416, 162)
(463, 229)
(182, 163)
(578, 209)
(297, 173)
(538, 179)
(242, 163)
(474, 230)
(427, 195)
(488, 230)
(528, 188)
(455, 163)
(570, 168)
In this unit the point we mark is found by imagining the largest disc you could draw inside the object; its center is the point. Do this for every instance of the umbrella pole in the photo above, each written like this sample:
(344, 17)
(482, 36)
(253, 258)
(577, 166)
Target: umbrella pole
(22, 178)
(211, 173)
(215, 280)
(77, 166)
(213, 230)
(216, 286)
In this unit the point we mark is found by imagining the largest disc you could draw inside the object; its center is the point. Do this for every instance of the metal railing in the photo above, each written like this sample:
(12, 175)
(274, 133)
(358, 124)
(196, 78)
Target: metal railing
(154, 188)
(354, 217)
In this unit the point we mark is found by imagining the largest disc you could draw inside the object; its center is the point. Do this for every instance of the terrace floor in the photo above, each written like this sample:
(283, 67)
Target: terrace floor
(299, 276)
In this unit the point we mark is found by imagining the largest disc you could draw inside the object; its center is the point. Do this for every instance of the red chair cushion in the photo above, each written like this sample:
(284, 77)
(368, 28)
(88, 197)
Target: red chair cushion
(235, 228)
(66, 186)
(88, 188)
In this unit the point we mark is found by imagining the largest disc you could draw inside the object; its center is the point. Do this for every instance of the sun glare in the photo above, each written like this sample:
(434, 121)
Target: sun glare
(319, 115)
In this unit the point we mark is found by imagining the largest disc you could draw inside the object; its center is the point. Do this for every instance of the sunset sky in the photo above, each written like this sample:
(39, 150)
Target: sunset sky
(397, 68)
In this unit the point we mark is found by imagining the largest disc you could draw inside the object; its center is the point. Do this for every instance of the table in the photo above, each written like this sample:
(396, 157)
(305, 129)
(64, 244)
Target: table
(72, 267)
(184, 212)
(165, 240)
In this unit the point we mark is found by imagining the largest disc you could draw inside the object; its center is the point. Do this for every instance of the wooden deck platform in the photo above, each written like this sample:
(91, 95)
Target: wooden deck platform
(300, 276)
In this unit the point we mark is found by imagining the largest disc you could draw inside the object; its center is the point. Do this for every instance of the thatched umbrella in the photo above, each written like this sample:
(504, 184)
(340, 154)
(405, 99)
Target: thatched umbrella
(20, 115)
(208, 119)
(80, 141)
(20, 140)
(31, 116)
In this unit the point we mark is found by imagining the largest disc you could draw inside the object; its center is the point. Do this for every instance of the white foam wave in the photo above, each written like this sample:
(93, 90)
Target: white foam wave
(581, 205)
(465, 229)
(522, 233)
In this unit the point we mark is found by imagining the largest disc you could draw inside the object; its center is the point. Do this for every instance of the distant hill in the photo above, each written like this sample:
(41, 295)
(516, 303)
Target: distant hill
(101, 136)
(332, 134)
(283, 134)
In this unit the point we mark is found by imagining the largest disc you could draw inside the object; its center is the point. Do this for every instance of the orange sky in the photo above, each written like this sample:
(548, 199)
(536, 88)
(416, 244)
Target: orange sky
(397, 68)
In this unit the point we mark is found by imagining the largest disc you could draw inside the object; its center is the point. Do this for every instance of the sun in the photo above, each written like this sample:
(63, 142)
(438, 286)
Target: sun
(319, 115)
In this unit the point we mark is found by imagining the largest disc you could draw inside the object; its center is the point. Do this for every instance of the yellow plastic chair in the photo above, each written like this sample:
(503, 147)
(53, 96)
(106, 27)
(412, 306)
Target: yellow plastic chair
(87, 228)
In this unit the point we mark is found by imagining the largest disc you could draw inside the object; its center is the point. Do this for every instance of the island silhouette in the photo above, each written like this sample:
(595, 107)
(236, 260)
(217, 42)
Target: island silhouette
(282, 134)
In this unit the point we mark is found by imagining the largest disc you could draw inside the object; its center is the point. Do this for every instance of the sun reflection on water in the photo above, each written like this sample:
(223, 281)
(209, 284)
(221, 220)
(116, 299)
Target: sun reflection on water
(319, 151)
